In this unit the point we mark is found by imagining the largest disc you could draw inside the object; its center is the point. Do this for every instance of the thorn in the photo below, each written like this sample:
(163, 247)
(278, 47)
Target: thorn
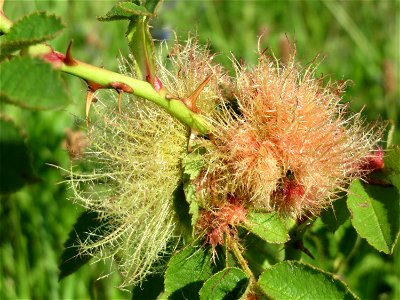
(300, 246)
(89, 100)
(119, 100)
(199, 89)
(121, 87)
(68, 60)
(191, 100)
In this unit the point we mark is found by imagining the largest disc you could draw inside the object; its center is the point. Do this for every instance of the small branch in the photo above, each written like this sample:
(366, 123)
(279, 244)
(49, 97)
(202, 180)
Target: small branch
(102, 78)
(242, 261)
(245, 267)
(340, 268)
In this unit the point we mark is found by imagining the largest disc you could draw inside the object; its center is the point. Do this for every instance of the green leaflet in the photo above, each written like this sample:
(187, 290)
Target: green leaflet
(186, 272)
(267, 226)
(375, 214)
(125, 11)
(151, 5)
(192, 164)
(142, 47)
(295, 280)
(30, 30)
(392, 165)
(31, 83)
(139, 38)
(229, 283)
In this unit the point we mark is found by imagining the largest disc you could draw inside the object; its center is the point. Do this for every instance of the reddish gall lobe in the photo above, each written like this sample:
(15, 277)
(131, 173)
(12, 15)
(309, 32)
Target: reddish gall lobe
(374, 161)
(215, 237)
(232, 214)
(292, 190)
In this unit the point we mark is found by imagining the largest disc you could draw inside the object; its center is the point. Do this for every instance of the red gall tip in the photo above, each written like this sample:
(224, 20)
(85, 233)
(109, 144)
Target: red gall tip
(221, 222)
(292, 191)
(233, 213)
(373, 161)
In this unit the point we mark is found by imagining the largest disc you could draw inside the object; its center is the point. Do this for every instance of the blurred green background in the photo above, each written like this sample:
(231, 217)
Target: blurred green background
(358, 40)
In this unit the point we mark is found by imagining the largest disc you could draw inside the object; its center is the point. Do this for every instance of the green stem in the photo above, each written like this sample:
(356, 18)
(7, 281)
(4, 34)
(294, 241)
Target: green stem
(143, 89)
(245, 267)
(242, 261)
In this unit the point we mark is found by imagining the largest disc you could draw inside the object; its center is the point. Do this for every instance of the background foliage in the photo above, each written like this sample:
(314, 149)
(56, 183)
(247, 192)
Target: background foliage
(358, 40)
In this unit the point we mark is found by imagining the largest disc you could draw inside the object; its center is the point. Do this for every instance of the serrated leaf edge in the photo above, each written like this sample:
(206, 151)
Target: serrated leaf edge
(222, 271)
(110, 17)
(249, 224)
(36, 13)
(389, 249)
(333, 276)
